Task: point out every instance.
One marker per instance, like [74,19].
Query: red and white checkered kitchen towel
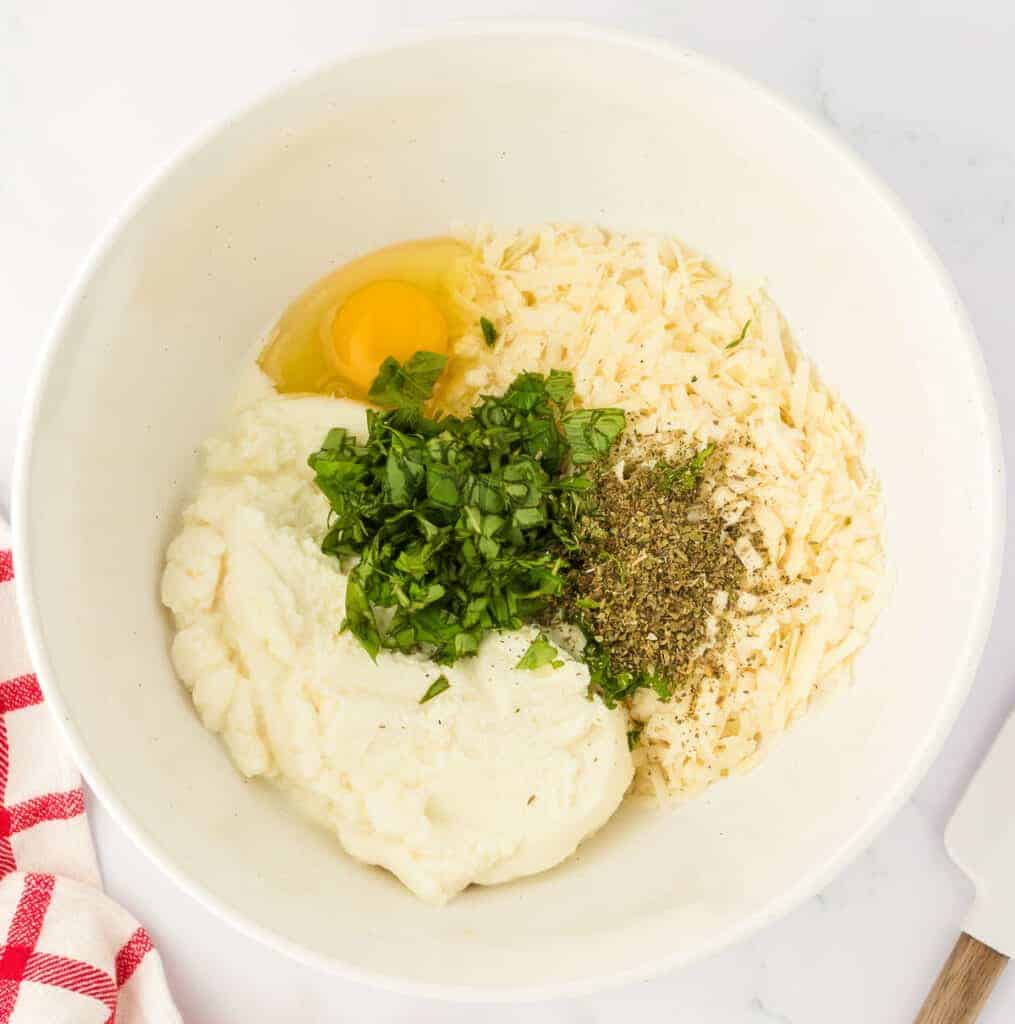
[68,954]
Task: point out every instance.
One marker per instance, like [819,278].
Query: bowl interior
[512,126]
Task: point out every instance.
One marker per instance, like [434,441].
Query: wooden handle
[964,984]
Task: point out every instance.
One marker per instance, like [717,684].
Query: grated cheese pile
[647,325]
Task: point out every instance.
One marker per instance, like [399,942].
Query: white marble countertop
[94,95]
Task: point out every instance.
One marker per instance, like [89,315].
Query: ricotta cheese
[500,776]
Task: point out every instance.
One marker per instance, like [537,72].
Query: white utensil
[981,840]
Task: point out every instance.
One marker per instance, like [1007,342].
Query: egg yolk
[396,301]
[386,318]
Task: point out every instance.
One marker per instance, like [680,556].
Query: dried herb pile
[650,563]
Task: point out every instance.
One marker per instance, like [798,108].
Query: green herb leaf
[663,687]
[337,440]
[613,683]
[633,736]
[407,386]
[439,685]
[592,432]
[490,333]
[359,617]
[540,652]
[684,477]
[743,334]
[560,387]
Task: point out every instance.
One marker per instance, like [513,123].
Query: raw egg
[392,302]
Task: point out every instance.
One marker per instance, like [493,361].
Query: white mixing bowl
[515,123]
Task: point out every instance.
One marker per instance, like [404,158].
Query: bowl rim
[894,796]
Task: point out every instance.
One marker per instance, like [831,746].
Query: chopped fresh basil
[743,334]
[490,333]
[592,432]
[539,653]
[439,685]
[683,476]
[460,526]
[409,385]
[359,618]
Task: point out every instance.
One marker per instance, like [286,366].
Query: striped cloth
[68,954]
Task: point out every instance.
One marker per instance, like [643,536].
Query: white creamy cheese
[500,776]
